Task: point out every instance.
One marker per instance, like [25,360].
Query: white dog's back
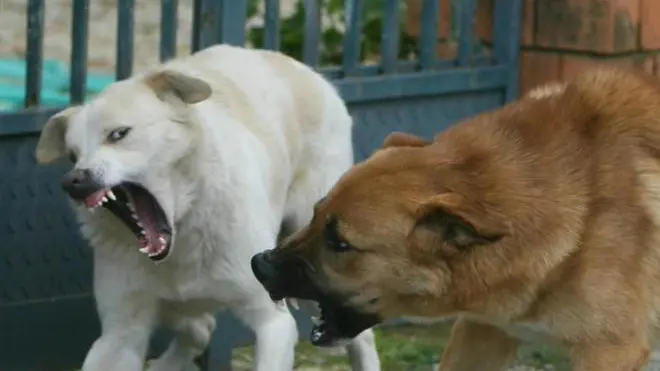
[295,114]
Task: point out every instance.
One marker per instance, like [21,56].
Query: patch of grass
[544,357]
[410,348]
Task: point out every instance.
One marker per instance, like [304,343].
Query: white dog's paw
[200,331]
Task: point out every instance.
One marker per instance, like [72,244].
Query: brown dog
[539,219]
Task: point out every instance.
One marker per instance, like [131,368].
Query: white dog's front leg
[124,339]
[114,352]
[193,335]
[276,334]
[362,352]
[127,314]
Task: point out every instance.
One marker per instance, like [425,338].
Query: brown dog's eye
[332,238]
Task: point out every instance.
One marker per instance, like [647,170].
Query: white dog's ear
[50,146]
[187,88]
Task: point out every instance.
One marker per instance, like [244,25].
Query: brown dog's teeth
[317,334]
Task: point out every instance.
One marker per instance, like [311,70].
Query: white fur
[270,141]
[546,91]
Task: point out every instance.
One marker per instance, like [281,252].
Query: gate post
[506,35]
[233,14]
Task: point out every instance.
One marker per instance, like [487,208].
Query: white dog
[181,175]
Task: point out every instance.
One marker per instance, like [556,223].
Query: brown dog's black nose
[262,267]
[266,273]
[80,183]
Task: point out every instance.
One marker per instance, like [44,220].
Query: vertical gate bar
[79,28]
[429,33]
[206,14]
[168,28]
[467,15]
[233,14]
[196,26]
[389,41]
[272,36]
[506,39]
[312,36]
[34,52]
[352,41]
[125,24]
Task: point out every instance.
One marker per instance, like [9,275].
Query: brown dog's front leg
[478,347]
[625,356]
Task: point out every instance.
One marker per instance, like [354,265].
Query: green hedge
[292,29]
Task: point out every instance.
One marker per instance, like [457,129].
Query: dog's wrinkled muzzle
[283,275]
[266,273]
[80,183]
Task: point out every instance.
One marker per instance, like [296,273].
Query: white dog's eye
[118,134]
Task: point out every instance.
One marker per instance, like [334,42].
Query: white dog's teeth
[161,239]
[316,320]
[104,200]
[112,196]
[134,215]
[130,206]
[145,249]
[294,303]
[142,232]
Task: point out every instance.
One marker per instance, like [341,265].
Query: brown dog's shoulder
[616,91]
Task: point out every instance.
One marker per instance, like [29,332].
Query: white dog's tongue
[152,243]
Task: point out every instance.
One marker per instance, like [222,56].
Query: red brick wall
[562,37]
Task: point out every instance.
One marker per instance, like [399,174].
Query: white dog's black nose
[80,183]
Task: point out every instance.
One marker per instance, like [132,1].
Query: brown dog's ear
[447,218]
[50,146]
[187,88]
[399,139]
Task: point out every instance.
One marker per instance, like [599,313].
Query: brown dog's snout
[283,275]
[262,267]
[265,270]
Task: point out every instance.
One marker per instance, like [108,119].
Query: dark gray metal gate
[47,316]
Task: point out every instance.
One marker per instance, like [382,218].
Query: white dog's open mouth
[141,213]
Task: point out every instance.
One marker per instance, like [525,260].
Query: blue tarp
[55,84]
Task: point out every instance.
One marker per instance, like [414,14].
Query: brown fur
[539,219]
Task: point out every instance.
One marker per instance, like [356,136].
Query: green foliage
[292,31]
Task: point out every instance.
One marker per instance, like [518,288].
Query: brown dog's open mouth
[338,323]
[289,278]
[141,213]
